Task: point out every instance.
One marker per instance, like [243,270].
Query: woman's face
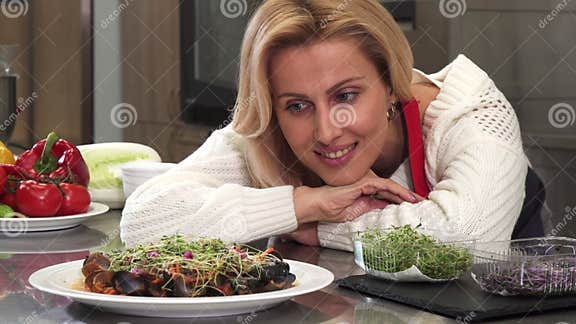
[331,106]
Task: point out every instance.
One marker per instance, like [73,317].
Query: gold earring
[393,111]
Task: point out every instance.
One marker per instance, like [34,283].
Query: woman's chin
[337,181]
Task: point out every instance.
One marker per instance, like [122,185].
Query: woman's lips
[338,158]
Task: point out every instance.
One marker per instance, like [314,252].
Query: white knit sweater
[475,166]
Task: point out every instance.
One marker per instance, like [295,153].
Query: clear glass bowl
[447,259]
[526,267]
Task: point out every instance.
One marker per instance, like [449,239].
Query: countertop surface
[23,254]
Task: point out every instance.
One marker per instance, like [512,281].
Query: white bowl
[136,173]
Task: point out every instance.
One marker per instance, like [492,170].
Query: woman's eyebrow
[329,91]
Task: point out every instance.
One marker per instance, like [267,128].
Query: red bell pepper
[9,198]
[36,199]
[76,199]
[3,180]
[56,159]
[14,175]
[17,172]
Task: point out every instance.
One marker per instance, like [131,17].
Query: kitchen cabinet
[54,64]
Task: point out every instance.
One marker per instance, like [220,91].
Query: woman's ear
[392,97]
[391,94]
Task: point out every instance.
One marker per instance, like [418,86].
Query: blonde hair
[278,24]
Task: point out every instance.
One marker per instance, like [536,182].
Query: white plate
[16,226]
[58,280]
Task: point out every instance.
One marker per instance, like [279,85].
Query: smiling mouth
[337,154]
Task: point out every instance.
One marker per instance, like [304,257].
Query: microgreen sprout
[403,247]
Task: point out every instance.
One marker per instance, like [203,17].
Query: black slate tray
[459,299]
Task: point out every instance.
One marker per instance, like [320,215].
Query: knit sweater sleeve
[208,194]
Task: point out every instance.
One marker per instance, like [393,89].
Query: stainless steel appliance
[8,102]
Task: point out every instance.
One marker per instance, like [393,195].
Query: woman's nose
[327,128]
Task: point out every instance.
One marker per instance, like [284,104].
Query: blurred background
[163,73]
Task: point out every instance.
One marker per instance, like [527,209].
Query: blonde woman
[334,131]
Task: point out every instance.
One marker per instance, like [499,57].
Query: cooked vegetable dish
[175,267]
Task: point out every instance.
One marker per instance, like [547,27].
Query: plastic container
[448,260]
[527,267]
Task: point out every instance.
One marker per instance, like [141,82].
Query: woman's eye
[297,107]
[347,96]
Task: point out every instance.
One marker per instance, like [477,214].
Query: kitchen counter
[22,255]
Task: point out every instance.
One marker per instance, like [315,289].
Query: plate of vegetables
[14,226]
[179,278]
[45,188]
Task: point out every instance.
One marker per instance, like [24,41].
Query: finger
[402,192]
[420,198]
[382,184]
[371,187]
[378,204]
[388,196]
[359,207]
